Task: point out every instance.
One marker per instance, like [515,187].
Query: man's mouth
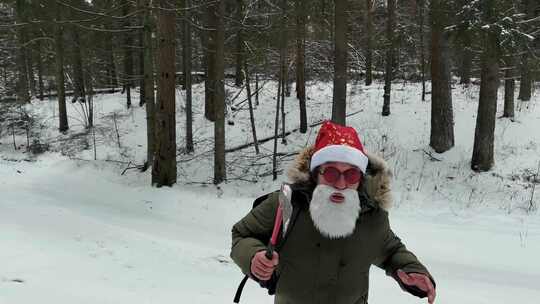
[337,198]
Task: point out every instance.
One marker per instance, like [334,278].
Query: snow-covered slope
[77,231]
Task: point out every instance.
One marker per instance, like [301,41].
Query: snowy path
[76,234]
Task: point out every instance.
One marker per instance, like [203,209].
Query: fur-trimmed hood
[376,180]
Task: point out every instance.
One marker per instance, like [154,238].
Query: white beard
[334,220]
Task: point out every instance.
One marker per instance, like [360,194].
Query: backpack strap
[239,290]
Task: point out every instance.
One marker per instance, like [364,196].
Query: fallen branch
[237,148]
[431,157]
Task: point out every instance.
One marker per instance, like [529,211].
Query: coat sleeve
[247,234]
[394,255]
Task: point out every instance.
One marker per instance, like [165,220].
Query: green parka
[315,269]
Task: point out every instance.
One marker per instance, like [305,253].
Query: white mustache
[331,219]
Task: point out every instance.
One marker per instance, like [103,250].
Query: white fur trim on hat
[339,153]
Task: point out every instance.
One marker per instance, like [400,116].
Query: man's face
[335,204]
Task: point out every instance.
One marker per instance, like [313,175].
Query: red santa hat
[336,143]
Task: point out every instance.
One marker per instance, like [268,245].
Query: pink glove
[419,280]
[261,267]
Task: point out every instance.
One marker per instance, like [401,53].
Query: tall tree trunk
[78,80]
[111,65]
[442,116]
[187,77]
[283,66]
[22,71]
[300,69]
[421,7]
[219,89]
[250,104]
[164,167]
[142,80]
[466,59]
[239,43]
[509,88]
[525,84]
[484,137]
[40,70]
[149,93]
[128,54]
[369,42]
[340,63]
[388,74]
[59,48]
[209,96]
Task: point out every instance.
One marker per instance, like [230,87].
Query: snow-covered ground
[75,230]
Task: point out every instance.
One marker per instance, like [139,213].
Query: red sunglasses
[332,175]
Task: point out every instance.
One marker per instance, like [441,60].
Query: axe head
[285,195]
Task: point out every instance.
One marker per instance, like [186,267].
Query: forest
[73,50]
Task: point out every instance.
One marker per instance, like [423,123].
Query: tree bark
[388,74]
[220,174]
[59,48]
[484,137]
[466,59]
[283,66]
[369,42]
[300,69]
[239,43]
[509,88]
[421,7]
[187,77]
[149,93]
[78,80]
[164,167]
[22,71]
[525,84]
[340,63]
[209,96]
[128,54]
[442,116]
[41,87]
[250,104]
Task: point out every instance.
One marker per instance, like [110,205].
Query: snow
[75,230]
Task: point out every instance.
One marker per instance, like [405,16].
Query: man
[341,228]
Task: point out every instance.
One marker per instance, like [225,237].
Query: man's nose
[340,184]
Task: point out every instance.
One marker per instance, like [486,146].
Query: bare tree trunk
[111,66]
[239,43]
[509,88]
[187,77]
[283,66]
[421,7]
[484,137]
[78,81]
[149,93]
[128,54]
[250,104]
[22,80]
[339,104]
[40,71]
[442,116]
[59,48]
[369,42]
[164,168]
[209,96]
[467,57]
[525,84]
[388,75]
[142,80]
[220,174]
[300,69]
